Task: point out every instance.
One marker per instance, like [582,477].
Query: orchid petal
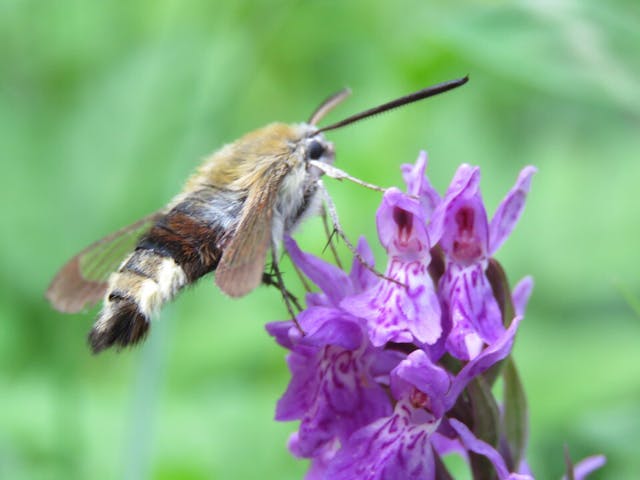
[465,234]
[391,448]
[521,293]
[408,306]
[418,184]
[478,446]
[361,277]
[331,280]
[330,326]
[464,185]
[474,313]
[321,461]
[402,225]
[485,360]
[509,210]
[585,467]
[465,181]
[296,400]
[332,392]
[281,332]
[402,311]
[417,371]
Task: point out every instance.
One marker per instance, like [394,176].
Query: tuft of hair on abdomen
[143,283]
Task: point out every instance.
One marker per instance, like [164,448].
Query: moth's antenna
[328,105]
[399,102]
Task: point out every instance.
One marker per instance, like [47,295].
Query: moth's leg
[330,234]
[334,172]
[275,279]
[333,215]
[270,279]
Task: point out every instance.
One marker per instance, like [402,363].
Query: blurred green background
[106,107]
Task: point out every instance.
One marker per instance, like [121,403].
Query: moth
[232,211]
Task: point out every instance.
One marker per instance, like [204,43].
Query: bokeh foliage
[105,108]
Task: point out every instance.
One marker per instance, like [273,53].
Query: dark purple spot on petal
[419,399]
[404,221]
[466,246]
[419,435]
[393,427]
[465,220]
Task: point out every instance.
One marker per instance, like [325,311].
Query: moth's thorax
[298,194]
[236,165]
[252,161]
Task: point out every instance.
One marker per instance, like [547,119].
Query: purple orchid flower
[334,284]
[400,446]
[333,389]
[394,447]
[405,309]
[468,241]
[336,373]
[369,387]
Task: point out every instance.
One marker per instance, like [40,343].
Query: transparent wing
[82,281]
[242,263]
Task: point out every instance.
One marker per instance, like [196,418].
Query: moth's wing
[83,280]
[242,263]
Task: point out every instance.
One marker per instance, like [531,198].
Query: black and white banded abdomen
[181,247]
[136,292]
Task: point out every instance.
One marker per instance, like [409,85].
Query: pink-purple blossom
[468,241]
[392,369]
[406,309]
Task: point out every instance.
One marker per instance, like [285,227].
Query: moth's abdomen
[181,247]
[144,283]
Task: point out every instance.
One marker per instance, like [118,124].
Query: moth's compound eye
[315,150]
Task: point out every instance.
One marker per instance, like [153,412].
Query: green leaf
[441,470]
[515,423]
[502,293]
[486,421]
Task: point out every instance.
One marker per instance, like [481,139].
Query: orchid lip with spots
[390,374]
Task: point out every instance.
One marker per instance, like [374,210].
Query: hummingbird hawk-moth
[232,211]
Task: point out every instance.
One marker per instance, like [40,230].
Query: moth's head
[311,143]
[314,146]
[302,142]
[297,143]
